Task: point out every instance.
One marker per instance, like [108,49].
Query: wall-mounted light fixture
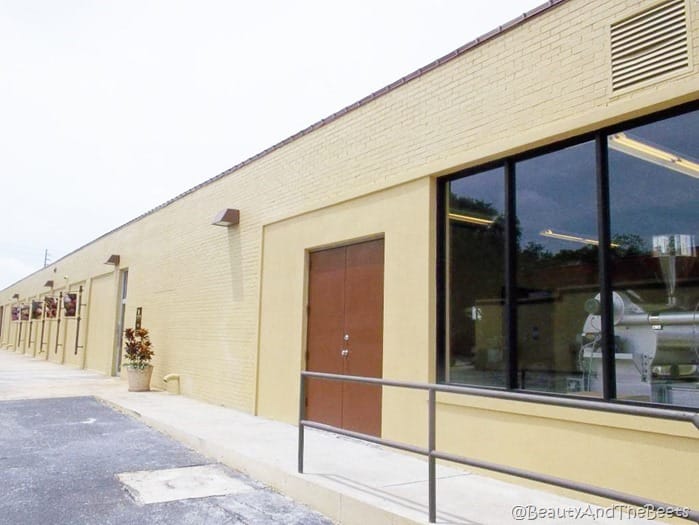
[16,296]
[113,259]
[49,283]
[227,217]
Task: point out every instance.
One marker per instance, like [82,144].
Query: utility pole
[46,257]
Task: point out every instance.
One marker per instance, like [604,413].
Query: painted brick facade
[538,82]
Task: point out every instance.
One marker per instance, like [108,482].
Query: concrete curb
[304,488]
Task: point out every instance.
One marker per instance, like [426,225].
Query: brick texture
[198,284]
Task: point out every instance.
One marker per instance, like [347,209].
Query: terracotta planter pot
[139,380]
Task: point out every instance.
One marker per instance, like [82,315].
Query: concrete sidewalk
[350,482]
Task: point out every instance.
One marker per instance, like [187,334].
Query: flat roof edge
[515,22]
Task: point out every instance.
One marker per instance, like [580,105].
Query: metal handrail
[433,454]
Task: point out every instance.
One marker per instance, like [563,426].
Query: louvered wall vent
[649,44]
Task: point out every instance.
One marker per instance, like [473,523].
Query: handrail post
[431,450]
[302,417]
[431,460]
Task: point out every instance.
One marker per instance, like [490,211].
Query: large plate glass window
[654,209]
[475,279]
[557,336]
[557,269]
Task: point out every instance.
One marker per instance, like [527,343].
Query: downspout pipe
[173,377]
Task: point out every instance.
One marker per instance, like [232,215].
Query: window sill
[526,408]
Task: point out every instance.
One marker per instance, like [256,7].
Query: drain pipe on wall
[173,383]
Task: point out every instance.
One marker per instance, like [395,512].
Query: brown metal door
[326,312]
[361,403]
[345,334]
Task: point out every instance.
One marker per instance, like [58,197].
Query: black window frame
[508,164]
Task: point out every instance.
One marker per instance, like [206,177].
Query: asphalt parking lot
[74,461]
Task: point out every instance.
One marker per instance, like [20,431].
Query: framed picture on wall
[51,307]
[37,310]
[70,304]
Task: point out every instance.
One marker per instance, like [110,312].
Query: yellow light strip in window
[572,238]
[470,219]
[625,144]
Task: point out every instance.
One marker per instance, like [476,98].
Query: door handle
[344,352]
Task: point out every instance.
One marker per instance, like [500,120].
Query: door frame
[306,302]
[122,294]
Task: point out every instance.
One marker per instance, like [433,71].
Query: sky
[110,108]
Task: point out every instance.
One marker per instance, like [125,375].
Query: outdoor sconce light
[113,259]
[227,217]
[16,296]
[49,284]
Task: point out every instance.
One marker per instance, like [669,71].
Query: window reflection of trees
[477,293]
[559,337]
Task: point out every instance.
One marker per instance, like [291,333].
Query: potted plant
[138,353]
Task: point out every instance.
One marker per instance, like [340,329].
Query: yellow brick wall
[402,217]
[199,285]
[99,327]
[48,341]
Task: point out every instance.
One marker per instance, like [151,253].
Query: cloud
[12,270]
